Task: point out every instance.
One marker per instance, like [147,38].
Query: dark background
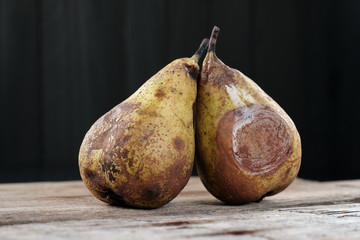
[65,63]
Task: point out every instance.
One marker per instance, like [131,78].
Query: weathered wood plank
[66,210]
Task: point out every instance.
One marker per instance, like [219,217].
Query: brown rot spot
[151,193]
[159,93]
[193,71]
[220,75]
[111,177]
[114,169]
[89,174]
[255,138]
[105,165]
[108,167]
[177,168]
[178,144]
[93,178]
[114,199]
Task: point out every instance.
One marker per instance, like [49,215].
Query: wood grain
[66,210]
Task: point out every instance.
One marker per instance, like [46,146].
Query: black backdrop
[65,63]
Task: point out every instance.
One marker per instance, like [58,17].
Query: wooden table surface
[67,210]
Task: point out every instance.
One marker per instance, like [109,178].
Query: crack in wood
[63,197]
[324,203]
[338,212]
[179,223]
[233,232]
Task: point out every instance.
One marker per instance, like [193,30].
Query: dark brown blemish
[114,199]
[151,193]
[176,170]
[109,168]
[178,144]
[255,137]
[193,71]
[111,176]
[159,93]
[96,182]
[105,165]
[89,174]
[114,169]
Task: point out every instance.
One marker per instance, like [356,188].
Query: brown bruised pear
[247,146]
[140,153]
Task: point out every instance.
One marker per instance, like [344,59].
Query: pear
[141,153]
[247,146]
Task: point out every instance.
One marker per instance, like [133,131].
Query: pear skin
[140,153]
[247,146]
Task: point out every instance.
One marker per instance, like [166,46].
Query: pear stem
[202,49]
[213,38]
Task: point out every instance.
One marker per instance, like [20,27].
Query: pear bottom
[253,156]
[128,160]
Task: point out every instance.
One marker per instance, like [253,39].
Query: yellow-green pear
[140,153]
[247,146]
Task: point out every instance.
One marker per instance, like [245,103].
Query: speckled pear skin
[247,146]
[140,154]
